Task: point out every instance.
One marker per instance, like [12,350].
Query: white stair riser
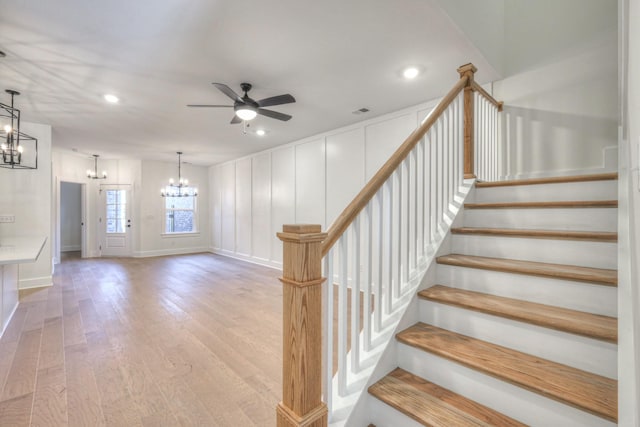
[571,252]
[580,296]
[511,400]
[383,415]
[577,219]
[594,190]
[580,352]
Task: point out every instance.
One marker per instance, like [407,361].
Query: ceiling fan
[246,108]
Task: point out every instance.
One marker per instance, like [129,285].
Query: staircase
[520,327]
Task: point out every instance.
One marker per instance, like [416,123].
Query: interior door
[115,222]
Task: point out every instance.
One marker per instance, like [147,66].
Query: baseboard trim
[36,282]
[253,260]
[165,252]
[72,248]
[15,307]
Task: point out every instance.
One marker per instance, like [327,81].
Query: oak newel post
[302,281]
[469,70]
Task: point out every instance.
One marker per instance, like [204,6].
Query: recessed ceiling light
[411,72]
[111,98]
[261,132]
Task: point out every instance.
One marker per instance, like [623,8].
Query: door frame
[83,218]
[101,216]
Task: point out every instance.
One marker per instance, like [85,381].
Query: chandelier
[17,149]
[181,189]
[93,174]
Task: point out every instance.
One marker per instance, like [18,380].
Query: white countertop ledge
[17,250]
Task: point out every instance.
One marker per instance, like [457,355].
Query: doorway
[72,218]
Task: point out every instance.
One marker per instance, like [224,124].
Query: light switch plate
[7,218]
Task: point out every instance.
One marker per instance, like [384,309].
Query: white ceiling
[333,56]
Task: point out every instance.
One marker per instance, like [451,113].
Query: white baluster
[398,242]
[368,276]
[417,252]
[407,220]
[445,163]
[342,314]
[327,361]
[355,298]
[389,241]
[377,303]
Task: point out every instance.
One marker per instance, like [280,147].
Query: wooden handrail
[475,86]
[375,183]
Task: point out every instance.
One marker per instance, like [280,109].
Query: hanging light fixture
[93,174]
[181,189]
[18,150]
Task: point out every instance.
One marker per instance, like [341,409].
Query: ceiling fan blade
[276,100]
[236,120]
[207,105]
[228,91]
[274,114]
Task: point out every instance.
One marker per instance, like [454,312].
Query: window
[180,212]
[116,211]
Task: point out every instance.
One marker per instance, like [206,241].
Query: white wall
[542,32]
[484,23]
[558,60]
[69,166]
[28,197]
[146,179]
[629,226]
[308,181]
[70,217]
[151,240]
[561,118]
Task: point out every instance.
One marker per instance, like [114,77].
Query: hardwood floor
[192,340]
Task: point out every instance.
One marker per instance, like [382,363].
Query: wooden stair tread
[552,180]
[590,325]
[432,405]
[545,205]
[589,392]
[559,271]
[598,236]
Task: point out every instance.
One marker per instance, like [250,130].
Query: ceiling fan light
[246,113]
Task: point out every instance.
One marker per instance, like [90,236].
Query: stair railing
[375,255]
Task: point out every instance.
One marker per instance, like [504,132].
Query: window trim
[196,223]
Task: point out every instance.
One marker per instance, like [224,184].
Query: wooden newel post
[302,328]
[469,70]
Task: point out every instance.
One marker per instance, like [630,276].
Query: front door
[115,223]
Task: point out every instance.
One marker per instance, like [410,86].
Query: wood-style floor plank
[22,376]
[590,325]
[167,341]
[590,392]
[432,405]
[50,401]
[16,412]
[601,276]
